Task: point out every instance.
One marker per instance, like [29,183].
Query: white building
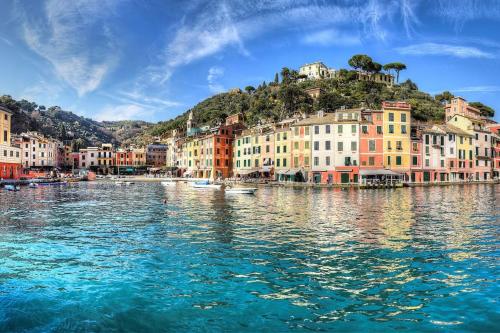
[316,70]
[346,137]
[37,150]
[88,157]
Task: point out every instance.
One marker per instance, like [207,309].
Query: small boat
[12,188]
[119,183]
[168,183]
[128,183]
[241,190]
[206,184]
[32,185]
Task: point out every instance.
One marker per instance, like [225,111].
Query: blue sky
[152,60]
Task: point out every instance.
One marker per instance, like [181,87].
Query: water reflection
[135,257]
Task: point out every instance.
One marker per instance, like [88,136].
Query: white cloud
[124,112]
[215,73]
[212,27]
[330,37]
[74,38]
[478,89]
[444,50]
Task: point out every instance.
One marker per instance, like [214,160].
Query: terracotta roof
[5,109]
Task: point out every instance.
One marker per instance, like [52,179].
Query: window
[461,140]
[398,160]
[5,136]
[347,161]
[316,145]
[327,145]
[316,129]
[354,146]
[403,129]
[427,152]
[340,146]
[427,162]
[391,116]
[452,164]
[399,145]
[353,129]
[388,160]
[371,160]
[327,160]
[306,160]
[278,149]
[278,162]
[284,162]
[379,129]
[414,160]
[415,147]
[296,145]
[339,129]
[389,146]
[427,139]
[403,117]
[306,131]
[256,163]
[296,131]
[267,149]
[371,145]
[296,162]
[284,149]
[327,129]
[442,163]
[316,161]
[306,145]
[278,137]
[364,129]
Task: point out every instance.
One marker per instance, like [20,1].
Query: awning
[378,172]
[246,172]
[266,168]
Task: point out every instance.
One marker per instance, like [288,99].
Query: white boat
[119,183]
[206,184]
[241,190]
[168,183]
[32,185]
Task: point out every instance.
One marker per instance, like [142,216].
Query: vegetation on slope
[278,100]
[64,125]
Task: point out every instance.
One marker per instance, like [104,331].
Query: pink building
[371,140]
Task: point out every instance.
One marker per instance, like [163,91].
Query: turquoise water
[94,257]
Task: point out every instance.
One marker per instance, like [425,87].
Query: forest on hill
[66,126]
[286,95]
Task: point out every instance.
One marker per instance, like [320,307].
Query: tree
[373,67]
[396,66]
[249,89]
[360,61]
[410,85]
[486,111]
[276,78]
[444,97]
[294,99]
[285,75]
[330,101]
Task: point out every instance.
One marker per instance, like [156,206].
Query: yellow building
[397,121]
[246,153]
[5,119]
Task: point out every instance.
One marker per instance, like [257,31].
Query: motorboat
[206,184]
[240,190]
[32,185]
[168,182]
[12,188]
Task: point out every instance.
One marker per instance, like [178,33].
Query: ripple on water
[96,257]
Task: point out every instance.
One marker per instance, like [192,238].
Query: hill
[65,125]
[279,100]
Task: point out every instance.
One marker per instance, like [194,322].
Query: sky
[152,60]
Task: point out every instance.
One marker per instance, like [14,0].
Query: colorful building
[300,146]
[282,152]
[10,156]
[346,145]
[397,136]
